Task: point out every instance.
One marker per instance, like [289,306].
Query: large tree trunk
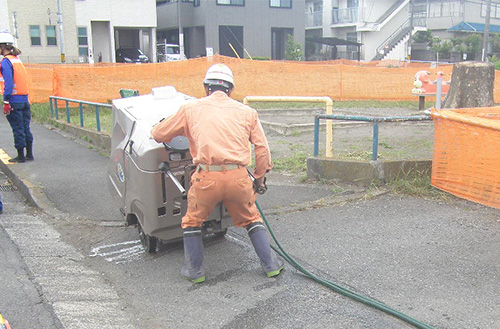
[471,85]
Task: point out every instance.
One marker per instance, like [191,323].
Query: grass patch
[41,113]
[296,163]
[417,183]
[354,155]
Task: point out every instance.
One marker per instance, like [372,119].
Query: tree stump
[471,85]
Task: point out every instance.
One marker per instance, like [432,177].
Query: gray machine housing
[149,180]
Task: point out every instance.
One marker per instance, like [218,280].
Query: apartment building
[384,27]
[91,30]
[237,28]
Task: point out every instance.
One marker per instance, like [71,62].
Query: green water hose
[335,287]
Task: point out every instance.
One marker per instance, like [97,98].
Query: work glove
[6,108]
[260,189]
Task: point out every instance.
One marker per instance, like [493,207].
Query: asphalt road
[436,261]
[21,299]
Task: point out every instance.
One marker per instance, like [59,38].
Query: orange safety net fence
[466,158]
[339,79]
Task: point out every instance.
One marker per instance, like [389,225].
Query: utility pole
[61,33]
[181,35]
[486,31]
[14,23]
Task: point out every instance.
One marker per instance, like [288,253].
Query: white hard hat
[6,37]
[217,73]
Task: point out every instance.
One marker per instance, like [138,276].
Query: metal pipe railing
[54,110]
[375,120]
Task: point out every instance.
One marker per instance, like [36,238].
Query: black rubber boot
[20,156]
[29,152]
[271,263]
[193,255]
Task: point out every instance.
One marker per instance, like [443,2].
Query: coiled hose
[335,287]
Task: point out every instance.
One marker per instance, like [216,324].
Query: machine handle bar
[165,167]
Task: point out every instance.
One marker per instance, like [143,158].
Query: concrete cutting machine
[148,180]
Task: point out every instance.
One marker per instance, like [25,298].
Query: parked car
[131,55]
[166,52]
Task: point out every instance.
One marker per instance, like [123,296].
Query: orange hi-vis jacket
[21,80]
[219,129]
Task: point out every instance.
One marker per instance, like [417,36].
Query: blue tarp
[473,27]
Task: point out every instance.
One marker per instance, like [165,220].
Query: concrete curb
[99,139]
[34,194]
[363,172]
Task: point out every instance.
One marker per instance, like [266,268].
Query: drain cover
[7,188]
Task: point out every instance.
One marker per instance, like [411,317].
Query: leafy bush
[293,49]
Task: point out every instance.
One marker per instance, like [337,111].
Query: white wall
[130,13]
[31,12]
[4,17]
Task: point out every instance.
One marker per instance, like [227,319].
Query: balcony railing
[347,15]
[314,19]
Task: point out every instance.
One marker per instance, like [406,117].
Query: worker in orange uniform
[16,106]
[219,130]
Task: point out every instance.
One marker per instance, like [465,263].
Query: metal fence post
[316,136]
[375,141]
[81,115]
[51,107]
[67,112]
[97,119]
[57,109]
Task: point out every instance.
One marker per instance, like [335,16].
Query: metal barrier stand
[54,108]
[375,121]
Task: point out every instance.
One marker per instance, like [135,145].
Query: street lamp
[181,35]
[60,23]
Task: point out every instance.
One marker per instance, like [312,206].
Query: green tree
[293,49]
[443,48]
[473,45]
[423,37]
[495,43]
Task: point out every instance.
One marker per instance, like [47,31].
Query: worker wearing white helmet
[16,106]
[219,130]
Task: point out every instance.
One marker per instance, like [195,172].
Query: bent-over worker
[219,130]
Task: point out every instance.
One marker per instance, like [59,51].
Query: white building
[384,26]
[91,30]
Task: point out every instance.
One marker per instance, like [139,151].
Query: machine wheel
[148,242]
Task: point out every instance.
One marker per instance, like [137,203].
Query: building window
[83,44]
[280,3]
[50,31]
[495,10]
[450,8]
[231,2]
[35,35]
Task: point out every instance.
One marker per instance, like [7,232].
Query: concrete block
[363,172]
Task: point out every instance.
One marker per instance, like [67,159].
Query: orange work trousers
[233,187]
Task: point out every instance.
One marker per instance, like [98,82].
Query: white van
[166,52]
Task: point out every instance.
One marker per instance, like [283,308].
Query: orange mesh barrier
[466,157]
[41,84]
[339,79]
